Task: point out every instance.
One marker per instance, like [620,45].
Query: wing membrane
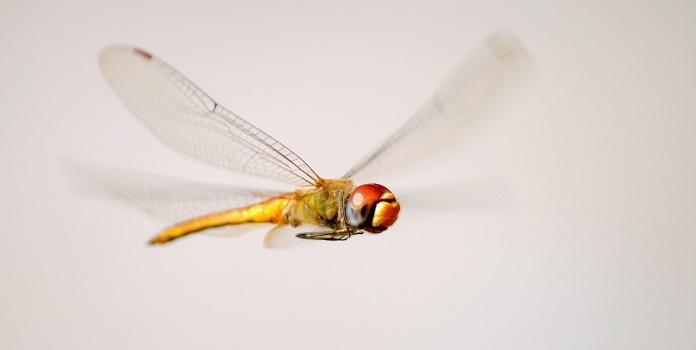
[169,198]
[186,118]
[452,109]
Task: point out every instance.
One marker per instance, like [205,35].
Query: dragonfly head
[372,207]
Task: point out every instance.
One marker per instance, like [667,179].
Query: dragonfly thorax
[371,207]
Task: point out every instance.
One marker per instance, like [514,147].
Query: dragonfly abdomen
[268,211]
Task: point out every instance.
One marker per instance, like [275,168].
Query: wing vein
[186,118]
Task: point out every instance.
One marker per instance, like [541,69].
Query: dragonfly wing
[233,230]
[285,236]
[453,108]
[280,236]
[173,199]
[186,118]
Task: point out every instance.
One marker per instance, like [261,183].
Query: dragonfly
[184,117]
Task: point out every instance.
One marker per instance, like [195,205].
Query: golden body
[317,205]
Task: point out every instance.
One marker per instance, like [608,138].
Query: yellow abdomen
[269,211]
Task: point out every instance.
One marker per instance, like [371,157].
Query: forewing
[453,108]
[186,118]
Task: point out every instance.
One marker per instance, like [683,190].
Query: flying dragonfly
[184,117]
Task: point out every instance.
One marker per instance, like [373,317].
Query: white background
[577,223]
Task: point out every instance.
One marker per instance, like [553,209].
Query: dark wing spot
[143,53]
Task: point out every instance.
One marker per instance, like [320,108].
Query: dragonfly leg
[341,234]
[342,211]
[336,235]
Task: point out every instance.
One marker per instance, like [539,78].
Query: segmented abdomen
[268,211]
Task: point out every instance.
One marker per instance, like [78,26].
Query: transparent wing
[454,107]
[169,198]
[233,230]
[283,236]
[186,118]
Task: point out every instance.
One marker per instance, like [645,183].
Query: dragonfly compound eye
[372,207]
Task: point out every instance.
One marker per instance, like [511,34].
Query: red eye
[372,207]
